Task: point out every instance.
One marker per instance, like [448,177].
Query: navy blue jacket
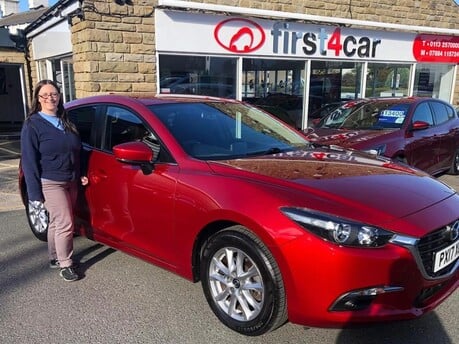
[49,153]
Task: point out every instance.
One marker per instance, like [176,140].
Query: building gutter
[187,5]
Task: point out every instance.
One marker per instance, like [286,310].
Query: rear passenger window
[440,112]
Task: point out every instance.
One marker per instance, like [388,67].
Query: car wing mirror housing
[420,125]
[136,153]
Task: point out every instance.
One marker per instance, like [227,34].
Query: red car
[275,228]
[422,132]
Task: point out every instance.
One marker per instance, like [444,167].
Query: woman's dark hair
[61,113]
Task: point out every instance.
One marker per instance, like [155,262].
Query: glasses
[47,95]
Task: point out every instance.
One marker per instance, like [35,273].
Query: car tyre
[38,222]
[242,282]
[455,165]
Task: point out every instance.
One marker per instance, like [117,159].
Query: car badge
[452,232]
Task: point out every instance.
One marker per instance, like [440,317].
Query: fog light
[360,299]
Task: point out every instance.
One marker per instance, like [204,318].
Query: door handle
[97,177]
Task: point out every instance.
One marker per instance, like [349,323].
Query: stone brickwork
[11,56]
[114,49]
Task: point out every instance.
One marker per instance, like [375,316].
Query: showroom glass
[49,95]
[202,75]
[276,86]
[333,81]
[387,80]
[433,80]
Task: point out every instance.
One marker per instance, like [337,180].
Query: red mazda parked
[275,228]
[422,132]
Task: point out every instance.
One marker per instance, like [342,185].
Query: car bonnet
[351,178]
[345,138]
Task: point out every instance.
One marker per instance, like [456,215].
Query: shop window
[332,82]
[201,75]
[387,80]
[277,86]
[434,81]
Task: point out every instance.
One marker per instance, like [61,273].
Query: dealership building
[290,58]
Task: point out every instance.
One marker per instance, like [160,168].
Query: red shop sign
[435,48]
[239,35]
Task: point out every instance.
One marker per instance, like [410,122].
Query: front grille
[428,245]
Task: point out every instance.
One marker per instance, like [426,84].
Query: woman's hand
[84,180]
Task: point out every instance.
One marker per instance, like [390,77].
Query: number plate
[446,256]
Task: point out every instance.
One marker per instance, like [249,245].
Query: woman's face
[48,97]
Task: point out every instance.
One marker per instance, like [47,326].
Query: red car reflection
[422,132]
[273,227]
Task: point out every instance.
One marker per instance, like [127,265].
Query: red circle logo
[239,35]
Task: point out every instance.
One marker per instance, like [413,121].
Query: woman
[50,149]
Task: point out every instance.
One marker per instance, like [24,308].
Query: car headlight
[338,230]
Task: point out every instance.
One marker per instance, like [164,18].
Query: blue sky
[24,4]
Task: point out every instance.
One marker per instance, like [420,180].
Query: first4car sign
[214,34]
[322,43]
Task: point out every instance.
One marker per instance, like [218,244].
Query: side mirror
[136,153]
[420,125]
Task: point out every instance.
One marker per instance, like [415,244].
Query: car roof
[147,99]
[405,100]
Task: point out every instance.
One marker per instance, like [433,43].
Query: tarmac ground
[9,162]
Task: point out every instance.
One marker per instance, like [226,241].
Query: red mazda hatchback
[275,228]
[422,132]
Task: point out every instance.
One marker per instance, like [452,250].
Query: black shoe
[53,263]
[69,274]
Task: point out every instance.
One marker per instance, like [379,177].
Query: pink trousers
[60,198]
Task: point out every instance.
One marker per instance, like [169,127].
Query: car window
[452,113]
[121,126]
[84,119]
[372,115]
[440,112]
[423,113]
[226,130]
[392,116]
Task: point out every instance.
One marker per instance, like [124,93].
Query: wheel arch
[217,226]
[199,244]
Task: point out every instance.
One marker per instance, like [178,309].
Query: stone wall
[32,72]
[114,49]
[11,56]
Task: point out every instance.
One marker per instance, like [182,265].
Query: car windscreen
[372,115]
[226,130]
